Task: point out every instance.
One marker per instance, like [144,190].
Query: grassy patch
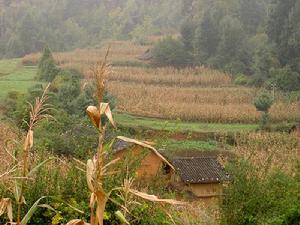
[8,66]
[22,74]
[174,145]
[180,126]
[19,78]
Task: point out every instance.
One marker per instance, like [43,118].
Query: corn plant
[20,173]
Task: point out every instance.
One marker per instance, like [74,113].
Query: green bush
[251,199]
[263,101]
[171,52]
[286,79]
[47,69]
[67,135]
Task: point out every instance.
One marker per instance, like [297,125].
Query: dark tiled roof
[120,145]
[200,170]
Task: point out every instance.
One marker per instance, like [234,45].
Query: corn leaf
[39,166]
[105,109]
[77,222]
[31,211]
[145,145]
[121,217]
[94,115]
[154,198]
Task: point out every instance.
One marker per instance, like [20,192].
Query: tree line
[258,38]
[26,26]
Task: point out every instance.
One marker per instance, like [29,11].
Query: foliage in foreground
[251,199]
[265,181]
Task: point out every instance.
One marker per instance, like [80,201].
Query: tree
[252,15]
[187,32]
[233,52]
[207,37]
[264,57]
[263,102]
[286,79]
[171,52]
[47,69]
[283,29]
[142,31]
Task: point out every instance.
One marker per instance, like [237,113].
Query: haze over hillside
[257,38]
[150,112]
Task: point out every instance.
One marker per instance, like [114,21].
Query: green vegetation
[71,24]
[20,79]
[251,199]
[8,66]
[241,37]
[47,69]
[171,52]
[180,126]
[175,145]
[263,103]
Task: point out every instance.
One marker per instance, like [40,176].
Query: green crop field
[15,77]
[180,126]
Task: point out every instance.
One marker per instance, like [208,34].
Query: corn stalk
[39,111]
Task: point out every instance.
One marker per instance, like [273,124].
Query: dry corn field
[193,94]
[8,141]
[120,51]
[228,104]
[199,76]
[270,151]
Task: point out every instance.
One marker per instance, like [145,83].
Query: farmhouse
[151,161]
[202,176]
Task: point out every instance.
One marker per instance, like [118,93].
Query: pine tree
[47,69]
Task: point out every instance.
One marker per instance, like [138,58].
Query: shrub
[263,101]
[47,69]
[171,52]
[68,135]
[286,79]
[251,199]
